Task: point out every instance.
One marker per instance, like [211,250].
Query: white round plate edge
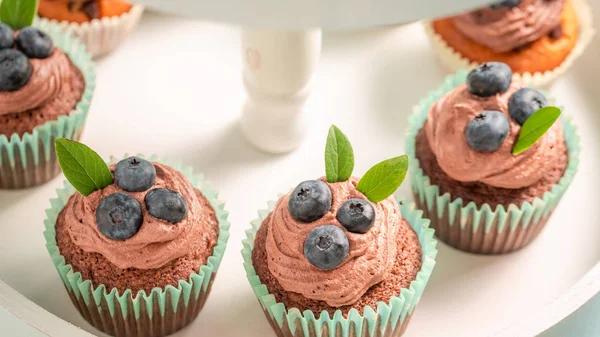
[558,310]
[25,318]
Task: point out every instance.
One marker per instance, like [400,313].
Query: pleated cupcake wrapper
[29,159]
[464,225]
[388,319]
[102,36]
[157,314]
[453,60]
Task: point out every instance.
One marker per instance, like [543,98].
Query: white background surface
[175,89]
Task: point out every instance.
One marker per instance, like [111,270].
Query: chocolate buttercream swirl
[48,77]
[157,242]
[445,127]
[506,29]
[369,261]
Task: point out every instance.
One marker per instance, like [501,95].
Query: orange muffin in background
[81,11]
[102,37]
[528,35]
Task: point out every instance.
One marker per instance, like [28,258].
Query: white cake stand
[281,44]
[362,88]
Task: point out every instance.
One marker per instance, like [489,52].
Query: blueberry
[166,204]
[134,174]
[6,36]
[489,79]
[487,131]
[34,43]
[326,247]
[524,103]
[505,4]
[15,70]
[310,201]
[119,216]
[356,215]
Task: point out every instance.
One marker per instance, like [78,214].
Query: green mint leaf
[83,167]
[383,179]
[18,13]
[535,127]
[339,156]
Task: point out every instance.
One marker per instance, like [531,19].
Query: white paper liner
[105,35]
[454,61]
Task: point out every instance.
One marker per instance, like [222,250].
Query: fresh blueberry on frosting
[326,247]
[119,216]
[135,174]
[310,201]
[489,79]
[6,36]
[505,4]
[487,131]
[34,43]
[15,70]
[356,215]
[524,102]
[166,204]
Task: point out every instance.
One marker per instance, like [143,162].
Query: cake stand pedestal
[280,58]
[278,67]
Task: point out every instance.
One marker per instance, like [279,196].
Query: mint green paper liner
[463,225]
[29,160]
[388,319]
[157,314]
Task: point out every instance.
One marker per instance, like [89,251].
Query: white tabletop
[175,89]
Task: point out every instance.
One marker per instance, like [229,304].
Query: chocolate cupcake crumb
[481,193]
[407,265]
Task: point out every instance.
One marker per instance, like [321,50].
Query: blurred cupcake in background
[102,25]
[46,85]
[491,160]
[538,39]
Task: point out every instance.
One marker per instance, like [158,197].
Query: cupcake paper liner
[29,160]
[102,36]
[454,61]
[160,313]
[464,225]
[388,319]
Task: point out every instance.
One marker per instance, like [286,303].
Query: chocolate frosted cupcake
[102,25]
[539,38]
[339,255]
[381,262]
[137,255]
[486,174]
[51,88]
[46,85]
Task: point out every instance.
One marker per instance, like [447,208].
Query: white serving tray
[175,89]
[330,14]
